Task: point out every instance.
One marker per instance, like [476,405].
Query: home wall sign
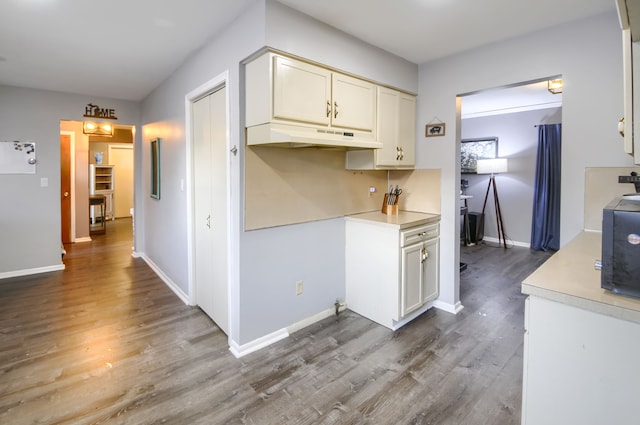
[94,111]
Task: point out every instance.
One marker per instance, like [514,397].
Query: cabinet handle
[335,109]
[425,255]
[209,221]
[422,234]
[328,109]
[398,153]
[401,154]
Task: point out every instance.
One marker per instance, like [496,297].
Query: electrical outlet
[299,287]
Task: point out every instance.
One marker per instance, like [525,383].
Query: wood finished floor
[105,341]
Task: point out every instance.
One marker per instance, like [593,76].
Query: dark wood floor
[105,341]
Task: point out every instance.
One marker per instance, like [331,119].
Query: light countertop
[403,220]
[570,277]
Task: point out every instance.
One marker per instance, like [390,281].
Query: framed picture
[434,130]
[471,150]
[155,168]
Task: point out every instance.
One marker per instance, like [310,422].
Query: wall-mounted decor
[435,129]
[155,168]
[94,111]
[471,150]
[17,157]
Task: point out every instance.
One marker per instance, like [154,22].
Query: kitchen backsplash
[601,186]
[289,186]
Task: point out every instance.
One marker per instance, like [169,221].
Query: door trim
[218,82]
[72,176]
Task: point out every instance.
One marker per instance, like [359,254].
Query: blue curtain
[545,226]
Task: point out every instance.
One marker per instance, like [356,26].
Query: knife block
[389,209]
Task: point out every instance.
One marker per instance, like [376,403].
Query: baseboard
[262,342]
[509,242]
[84,239]
[257,344]
[27,272]
[449,308]
[315,318]
[170,283]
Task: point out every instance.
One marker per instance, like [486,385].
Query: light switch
[44,182]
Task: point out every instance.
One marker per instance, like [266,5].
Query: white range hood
[298,136]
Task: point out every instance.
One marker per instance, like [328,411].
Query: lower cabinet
[580,366]
[419,280]
[392,273]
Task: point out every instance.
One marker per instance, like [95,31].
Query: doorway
[77,151]
[121,157]
[511,116]
[209,232]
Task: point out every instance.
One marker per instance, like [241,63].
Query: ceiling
[123,49]
[506,100]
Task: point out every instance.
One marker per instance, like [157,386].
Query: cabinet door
[431,270]
[354,103]
[301,91]
[388,122]
[412,278]
[407,129]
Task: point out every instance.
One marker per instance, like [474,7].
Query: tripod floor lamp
[494,166]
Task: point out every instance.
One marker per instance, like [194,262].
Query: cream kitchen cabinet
[309,93]
[292,101]
[420,262]
[629,14]
[396,129]
[392,265]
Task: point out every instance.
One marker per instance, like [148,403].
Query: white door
[122,158]
[210,206]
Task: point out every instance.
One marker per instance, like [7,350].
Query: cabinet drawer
[419,234]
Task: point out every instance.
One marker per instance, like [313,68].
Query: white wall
[588,55]
[30,214]
[163,114]
[517,141]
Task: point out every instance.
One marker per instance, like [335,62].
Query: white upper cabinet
[353,103]
[301,92]
[291,102]
[396,123]
[629,13]
[312,94]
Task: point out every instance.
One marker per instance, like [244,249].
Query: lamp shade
[492,166]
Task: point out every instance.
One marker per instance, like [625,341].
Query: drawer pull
[422,234]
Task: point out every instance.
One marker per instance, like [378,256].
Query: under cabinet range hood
[299,136]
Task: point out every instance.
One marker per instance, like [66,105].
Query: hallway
[105,341]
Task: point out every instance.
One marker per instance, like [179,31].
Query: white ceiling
[509,99]
[124,48]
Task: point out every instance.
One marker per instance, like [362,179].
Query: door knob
[66,194]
